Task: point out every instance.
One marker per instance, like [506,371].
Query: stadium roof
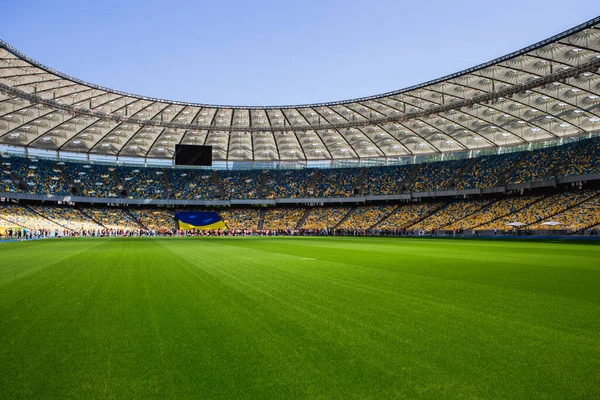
[545,91]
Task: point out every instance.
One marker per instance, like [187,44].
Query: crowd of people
[487,171]
[437,175]
[285,218]
[586,162]
[365,217]
[336,182]
[147,183]
[96,180]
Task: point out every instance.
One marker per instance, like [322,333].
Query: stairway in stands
[348,214]
[263,185]
[44,217]
[218,191]
[119,185]
[406,185]
[261,218]
[429,214]
[134,219]
[359,187]
[311,189]
[457,177]
[304,217]
[86,215]
[384,217]
[504,178]
[168,187]
[75,189]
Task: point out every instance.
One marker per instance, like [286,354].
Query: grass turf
[299,318]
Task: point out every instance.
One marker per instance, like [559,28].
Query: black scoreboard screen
[186,154]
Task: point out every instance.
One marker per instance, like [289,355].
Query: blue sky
[276,52]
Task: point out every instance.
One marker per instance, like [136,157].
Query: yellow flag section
[200,220]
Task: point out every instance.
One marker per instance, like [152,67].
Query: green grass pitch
[287,318]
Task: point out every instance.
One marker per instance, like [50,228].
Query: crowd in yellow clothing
[498,209]
[336,182]
[365,217]
[288,184]
[587,162]
[540,210]
[407,215]
[191,184]
[67,217]
[436,176]
[579,217]
[321,218]
[386,180]
[486,171]
[283,218]
[112,218]
[241,184]
[240,218]
[143,183]
[542,164]
[23,216]
[448,217]
[93,180]
[155,219]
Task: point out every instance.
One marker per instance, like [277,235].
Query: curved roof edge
[517,53]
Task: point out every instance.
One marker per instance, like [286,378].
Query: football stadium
[437,241]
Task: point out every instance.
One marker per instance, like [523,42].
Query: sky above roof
[276,52]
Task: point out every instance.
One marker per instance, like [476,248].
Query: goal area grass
[296,317]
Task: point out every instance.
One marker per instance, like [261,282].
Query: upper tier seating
[386,180]
[290,183]
[191,184]
[143,183]
[541,164]
[94,180]
[486,171]
[336,182]
[240,184]
[437,176]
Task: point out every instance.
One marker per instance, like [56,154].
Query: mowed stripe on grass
[299,318]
